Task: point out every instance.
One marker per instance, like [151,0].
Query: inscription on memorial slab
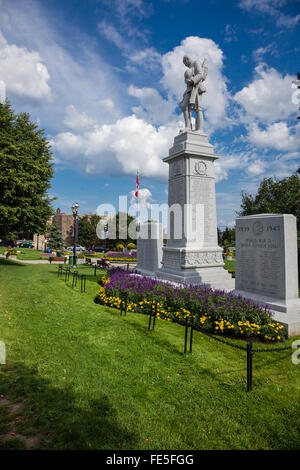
[202,191]
[262,256]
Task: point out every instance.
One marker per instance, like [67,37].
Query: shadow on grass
[9,262]
[55,414]
[90,277]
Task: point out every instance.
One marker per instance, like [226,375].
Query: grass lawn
[80,376]
[29,254]
[25,253]
[229,264]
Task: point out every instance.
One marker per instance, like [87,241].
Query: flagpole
[138,200]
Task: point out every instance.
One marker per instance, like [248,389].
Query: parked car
[99,249]
[25,244]
[79,248]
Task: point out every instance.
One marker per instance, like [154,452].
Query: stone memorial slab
[266,264]
[149,248]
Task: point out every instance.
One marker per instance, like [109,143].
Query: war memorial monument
[266,244]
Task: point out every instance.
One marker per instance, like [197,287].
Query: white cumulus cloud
[268,97]
[277,135]
[77,121]
[144,198]
[23,71]
[122,148]
[256,168]
[153,107]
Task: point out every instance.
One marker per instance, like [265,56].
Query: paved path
[30,261]
[45,261]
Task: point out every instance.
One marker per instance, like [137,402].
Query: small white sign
[2,353]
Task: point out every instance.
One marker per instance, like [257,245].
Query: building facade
[64,224]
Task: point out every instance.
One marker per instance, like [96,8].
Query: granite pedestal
[192,254]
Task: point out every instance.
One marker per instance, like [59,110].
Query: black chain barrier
[190,325]
[75,277]
[249,349]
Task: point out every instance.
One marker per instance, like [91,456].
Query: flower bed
[212,310]
[91,254]
[114,254]
[12,252]
[123,259]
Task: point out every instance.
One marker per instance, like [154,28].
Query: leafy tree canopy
[25,174]
[87,235]
[124,224]
[228,236]
[274,196]
[55,238]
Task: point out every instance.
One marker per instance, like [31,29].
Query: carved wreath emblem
[258,228]
[200,168]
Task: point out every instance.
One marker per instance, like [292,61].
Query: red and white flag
[137,185]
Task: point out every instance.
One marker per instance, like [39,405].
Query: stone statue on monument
[192,98]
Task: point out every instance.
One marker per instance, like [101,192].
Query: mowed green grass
[83,377]
[25,253]
[29,254]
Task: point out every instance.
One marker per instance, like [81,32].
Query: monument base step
[215,278]
[288,306]
[146,273]
[290,321]
[286,313]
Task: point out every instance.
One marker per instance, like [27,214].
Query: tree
[276,196]
[122,224]
[55,238]
[25,173]
[219,234]
[228,236]
[87,235]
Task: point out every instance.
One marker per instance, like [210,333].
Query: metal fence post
[155,313]
[191,334]
[150,316]
[249,366]
[185,335]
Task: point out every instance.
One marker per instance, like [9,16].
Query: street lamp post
[75,208]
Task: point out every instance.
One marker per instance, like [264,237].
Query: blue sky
[104,78]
